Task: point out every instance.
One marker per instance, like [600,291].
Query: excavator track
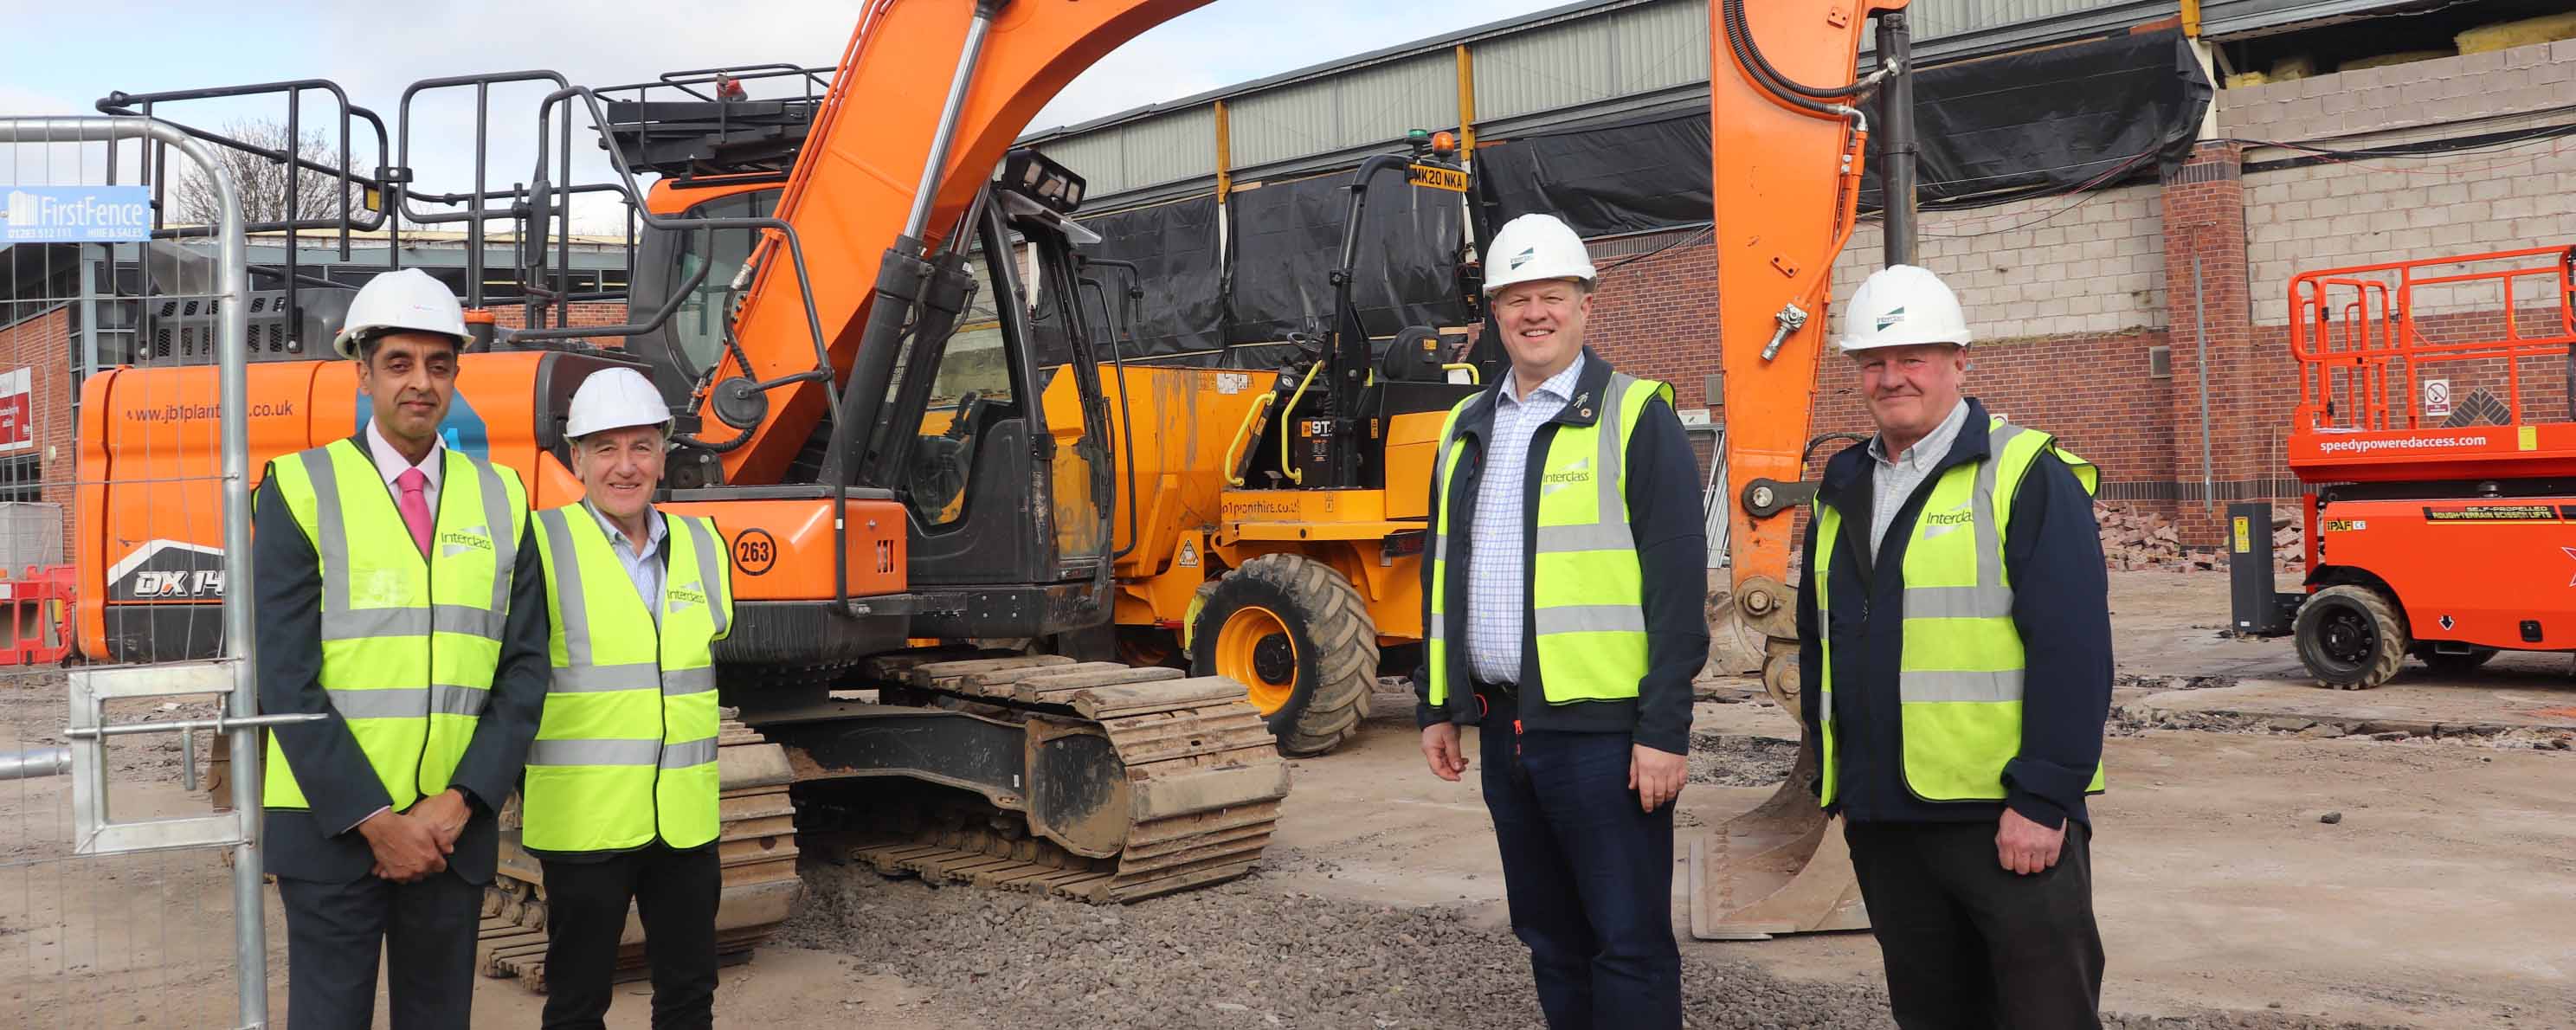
[1194,777]
[756,839]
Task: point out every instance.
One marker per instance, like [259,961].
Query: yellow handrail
[1259,404]
[1295,476]
[1473,379]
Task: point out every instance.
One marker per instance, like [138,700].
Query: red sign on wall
[17,410]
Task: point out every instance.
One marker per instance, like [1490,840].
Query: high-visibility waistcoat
[626,750]
[408,645]
[1959,681]
[1585,587]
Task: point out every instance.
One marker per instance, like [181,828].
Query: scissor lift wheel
[2351,637]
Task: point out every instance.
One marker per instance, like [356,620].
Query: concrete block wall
[2056,266]
[2337,213]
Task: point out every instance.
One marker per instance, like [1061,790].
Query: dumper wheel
[2453,663]
[2351,637]
[1299,638]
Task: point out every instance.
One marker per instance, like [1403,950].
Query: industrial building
[2126,260]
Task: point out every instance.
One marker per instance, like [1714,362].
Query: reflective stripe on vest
[1960,672]
[626,750]
[408,646]
[1586,589]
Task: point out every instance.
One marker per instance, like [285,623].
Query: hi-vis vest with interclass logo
[1959,680]
[408,645]
[626,750]
[1586,589]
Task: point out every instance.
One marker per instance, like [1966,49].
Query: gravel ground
[1740,760]
[1240,955]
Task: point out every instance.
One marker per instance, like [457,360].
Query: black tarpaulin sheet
[1287,236]
[2023,123]
[2051,118]
[1627,177]
[1174,247]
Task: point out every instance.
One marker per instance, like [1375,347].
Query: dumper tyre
[2351,637]
[1298,635]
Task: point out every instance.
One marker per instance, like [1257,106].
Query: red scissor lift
[2435,439]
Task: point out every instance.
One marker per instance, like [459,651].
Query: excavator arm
[929,98]
[1787,147]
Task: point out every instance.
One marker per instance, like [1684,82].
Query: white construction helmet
[1900,306]
[1533,247]
[405,299]
[615,398]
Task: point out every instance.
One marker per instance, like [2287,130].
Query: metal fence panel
[129,891]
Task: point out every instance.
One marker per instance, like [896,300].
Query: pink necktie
[415,506]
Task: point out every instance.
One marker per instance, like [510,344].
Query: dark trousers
[674,894]
[1589,877]
[1968,943]
[335,933]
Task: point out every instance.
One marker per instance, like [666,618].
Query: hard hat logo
[1541,247]
[1903,306]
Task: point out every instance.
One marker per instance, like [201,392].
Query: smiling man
[1562,599]
[1961,679]
[398,593]
[621,798]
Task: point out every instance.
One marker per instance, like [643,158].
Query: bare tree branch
[262,182]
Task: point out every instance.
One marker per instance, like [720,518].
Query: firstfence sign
[75,214]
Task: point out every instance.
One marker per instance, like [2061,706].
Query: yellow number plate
[1438,178]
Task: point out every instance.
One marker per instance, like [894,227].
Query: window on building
[22,478]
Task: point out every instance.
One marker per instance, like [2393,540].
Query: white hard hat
[405,299]
[1900,306]
[1534,247]
[615,398]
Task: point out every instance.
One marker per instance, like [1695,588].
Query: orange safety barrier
[40,615]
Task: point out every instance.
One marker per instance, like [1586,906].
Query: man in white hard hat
[1955,634]
[620,803]
[399,593]
[1562,596]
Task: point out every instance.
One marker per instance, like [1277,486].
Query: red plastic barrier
[39,602]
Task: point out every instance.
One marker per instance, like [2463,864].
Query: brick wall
[42,345]
[584,313]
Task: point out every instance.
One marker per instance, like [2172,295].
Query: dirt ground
[2440,894]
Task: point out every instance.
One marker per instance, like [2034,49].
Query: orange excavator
[863,306]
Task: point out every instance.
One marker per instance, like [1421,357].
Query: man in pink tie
[400,593]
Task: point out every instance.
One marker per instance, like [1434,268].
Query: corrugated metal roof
[1564,63]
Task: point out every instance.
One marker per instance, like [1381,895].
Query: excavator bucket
[1781,868]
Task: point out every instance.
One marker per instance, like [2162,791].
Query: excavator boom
[956,80]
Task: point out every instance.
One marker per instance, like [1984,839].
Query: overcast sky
[63,56]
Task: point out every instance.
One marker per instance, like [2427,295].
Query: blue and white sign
[76,214]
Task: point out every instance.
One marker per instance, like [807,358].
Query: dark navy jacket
[1662,487]
[2061,605]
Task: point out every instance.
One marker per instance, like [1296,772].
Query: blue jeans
[1589,877]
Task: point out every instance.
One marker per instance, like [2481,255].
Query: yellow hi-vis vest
[626,750]
[408,645]
[1959,681]
[1586,589]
